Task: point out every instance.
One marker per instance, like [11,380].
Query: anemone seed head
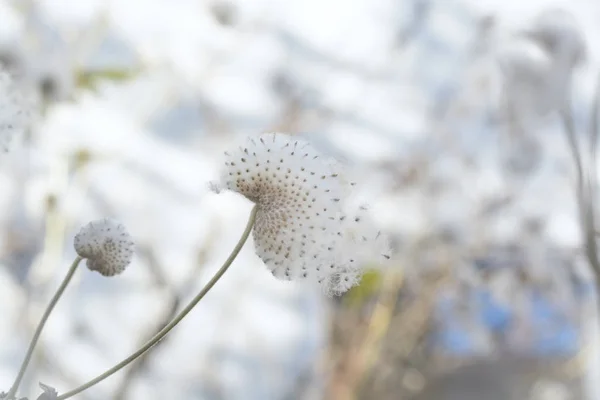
[305,228]
[106,245]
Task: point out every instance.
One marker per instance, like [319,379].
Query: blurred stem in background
[377,326]
[586,195]
[586,182]
[40,327]
[152,342]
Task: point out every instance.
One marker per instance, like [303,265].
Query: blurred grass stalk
[358,368]
[378,325]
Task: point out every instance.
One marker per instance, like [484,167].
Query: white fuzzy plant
[107,248]
[305,226]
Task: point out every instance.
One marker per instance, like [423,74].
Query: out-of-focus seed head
[537,65]
[15,110]
[106,245]
[305,228]
[558,32]
[49,393]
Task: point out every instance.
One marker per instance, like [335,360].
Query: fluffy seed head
[106,245]
[305,227]
[15,111]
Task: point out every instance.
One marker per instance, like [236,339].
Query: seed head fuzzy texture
[106,245]
[305,228]
[15,111]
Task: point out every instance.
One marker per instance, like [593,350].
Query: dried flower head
[306,228]
[15,112]
[106,245]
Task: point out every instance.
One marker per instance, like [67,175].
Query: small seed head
[106,245]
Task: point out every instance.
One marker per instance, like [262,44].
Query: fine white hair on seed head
[106,245]
[305,228]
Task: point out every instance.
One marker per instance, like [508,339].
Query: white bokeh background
[144,97]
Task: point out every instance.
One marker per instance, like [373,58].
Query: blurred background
[450,108]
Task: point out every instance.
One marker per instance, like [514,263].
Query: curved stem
[38,331]
[163,332]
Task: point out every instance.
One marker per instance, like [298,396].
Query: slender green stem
[160,335]
[38,331]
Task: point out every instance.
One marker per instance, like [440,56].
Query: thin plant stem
[163,332]
[586,187]
[570,131]
[594,121]
[40,327]
[585,192]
